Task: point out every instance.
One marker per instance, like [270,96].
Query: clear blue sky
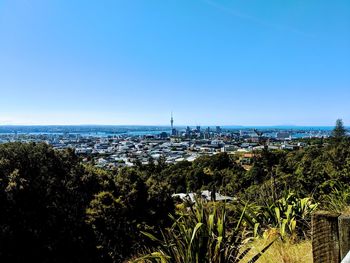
[257,62]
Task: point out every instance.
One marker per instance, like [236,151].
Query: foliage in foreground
[43,196]
[338,200]
[54,209]
[129,206]
[290,216]
[201,235]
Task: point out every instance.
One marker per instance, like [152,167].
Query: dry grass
[282,252]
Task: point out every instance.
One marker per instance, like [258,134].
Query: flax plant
[290,216]
[200,235]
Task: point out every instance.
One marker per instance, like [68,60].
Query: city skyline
[210,62]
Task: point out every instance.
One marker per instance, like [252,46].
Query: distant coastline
[139,130]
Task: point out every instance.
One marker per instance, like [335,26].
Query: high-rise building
[188,132]
[207,133]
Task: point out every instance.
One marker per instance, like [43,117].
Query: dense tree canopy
[43,195]
[53,209]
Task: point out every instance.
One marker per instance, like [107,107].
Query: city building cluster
[112,151]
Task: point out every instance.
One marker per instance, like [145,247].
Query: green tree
[339,130]
[43,197]
[132,204]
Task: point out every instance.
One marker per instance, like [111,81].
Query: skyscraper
[188,132]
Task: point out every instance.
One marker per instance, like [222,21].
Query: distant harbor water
[111,130]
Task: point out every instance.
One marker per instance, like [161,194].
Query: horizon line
[180,125]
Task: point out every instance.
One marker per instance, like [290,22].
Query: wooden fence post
[344,235]
[325,237]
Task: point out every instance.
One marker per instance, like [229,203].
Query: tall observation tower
[173,130]
[172,122]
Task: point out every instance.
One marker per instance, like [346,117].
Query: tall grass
[282,252]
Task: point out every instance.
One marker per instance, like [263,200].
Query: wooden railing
[330,237]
